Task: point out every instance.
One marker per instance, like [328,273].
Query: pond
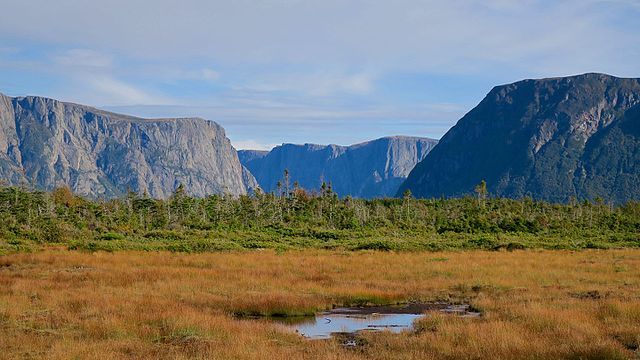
[395,319]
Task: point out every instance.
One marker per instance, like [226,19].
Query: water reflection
[377,318]
[323,325]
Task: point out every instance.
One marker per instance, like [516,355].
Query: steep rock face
[371,169]
[48,143]
[551,139]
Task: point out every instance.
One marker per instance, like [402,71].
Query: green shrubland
[31,219]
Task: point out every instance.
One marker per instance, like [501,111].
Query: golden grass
[61,304]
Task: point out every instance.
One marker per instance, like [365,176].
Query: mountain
[551,139]
[371,169]
[47,144]
[246,156]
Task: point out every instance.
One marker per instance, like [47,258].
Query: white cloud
[9,50]
[209,74]
[262,125]
[251,145]
[290,66]
[314,84]
[83,58]
[430,35]
[177,73]
[115,92]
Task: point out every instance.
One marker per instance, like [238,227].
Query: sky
[295,71]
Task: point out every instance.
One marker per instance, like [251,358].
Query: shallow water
[326,324]
[393,318]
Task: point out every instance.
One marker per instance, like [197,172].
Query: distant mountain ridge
[249,155]
[47,143]
[371,169]
[552,139]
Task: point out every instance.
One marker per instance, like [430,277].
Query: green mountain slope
[551,139]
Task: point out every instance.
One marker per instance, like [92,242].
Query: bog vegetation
[535,304]
[294,218]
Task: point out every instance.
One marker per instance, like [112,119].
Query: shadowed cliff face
[551,139]
[372,169]
[46,143]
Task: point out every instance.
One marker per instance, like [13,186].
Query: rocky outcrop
[46,144]
[552,139]
[371,169]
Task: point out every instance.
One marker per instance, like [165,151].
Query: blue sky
[330,71]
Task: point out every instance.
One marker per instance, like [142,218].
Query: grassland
[145,278]
[61,304]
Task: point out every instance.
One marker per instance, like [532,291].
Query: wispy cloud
[116,92]
[83,58]
[421,34]
[260,125]
[209,74]
[288,70]
[9,50]
[252,145]
[315,84]
[178,73]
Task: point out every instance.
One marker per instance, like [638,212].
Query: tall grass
[60,304]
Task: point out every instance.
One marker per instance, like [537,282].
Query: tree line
[59,216]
